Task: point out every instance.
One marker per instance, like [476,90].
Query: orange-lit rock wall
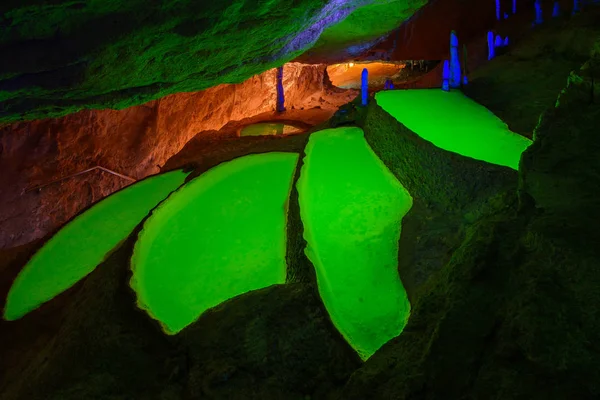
[136,142]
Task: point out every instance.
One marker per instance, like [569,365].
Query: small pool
[270,129]
[84,242]
[352,207]
[454,122]
[219,236]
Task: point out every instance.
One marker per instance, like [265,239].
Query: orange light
[351,65]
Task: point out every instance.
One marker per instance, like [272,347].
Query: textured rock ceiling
[60,56]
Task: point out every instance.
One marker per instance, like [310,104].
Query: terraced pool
[454,122]
[352,207]
[84,242]
[219,236]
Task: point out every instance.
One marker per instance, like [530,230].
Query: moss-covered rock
[274,343]
[512,314]
[449,192]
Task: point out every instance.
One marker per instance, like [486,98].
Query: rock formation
[136,142]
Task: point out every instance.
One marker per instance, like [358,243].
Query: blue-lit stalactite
[446,76]
[539,19]
[514,6]
[364,86]
[280,94]
[491,47]
[498,42]
[576,6]
[498,10]
[454,61]
[556,10]
[465,79]
[506,41]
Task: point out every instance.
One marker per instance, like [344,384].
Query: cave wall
[134,142]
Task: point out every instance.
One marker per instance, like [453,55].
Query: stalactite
[514,6]
[556,10]
[465,79]
[365,86]
[498,10]
[446,76]
[454,61]
[498,42]
[539,18]
[280,93]
[491,47]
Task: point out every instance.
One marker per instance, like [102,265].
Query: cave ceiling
[61,56]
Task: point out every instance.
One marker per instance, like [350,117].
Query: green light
[352,207]
[453,122]
[82,244]
[219,236]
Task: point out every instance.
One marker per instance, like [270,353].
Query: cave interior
[309,199]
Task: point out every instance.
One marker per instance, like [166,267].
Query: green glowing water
[453,122]
[219,236]
[265,128]
[82,244]
[352,207]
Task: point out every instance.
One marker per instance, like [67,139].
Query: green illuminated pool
[352,207]
[83,243]
[269,128]
[219,236]
[453,122]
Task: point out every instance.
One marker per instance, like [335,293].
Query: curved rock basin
[454,122]
[269,128]
[219,236]
[84,242]
[352,207]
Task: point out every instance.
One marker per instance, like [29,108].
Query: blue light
[446,76]
[514,6]
[499,42]
[491,47]
[364,87]
[556,10]
[280,93]
[498,10]
[539,19]
[454,61]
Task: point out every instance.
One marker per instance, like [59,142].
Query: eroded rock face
[135,142]
[67,56]
[560,169]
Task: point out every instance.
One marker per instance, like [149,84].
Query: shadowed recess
[219,236]
[84,242]
[352,207]
[453,122]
